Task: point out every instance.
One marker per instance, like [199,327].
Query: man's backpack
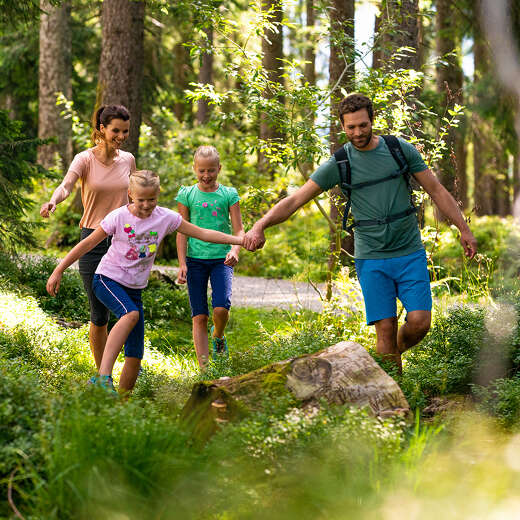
[345,175]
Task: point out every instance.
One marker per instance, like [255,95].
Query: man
[389,255]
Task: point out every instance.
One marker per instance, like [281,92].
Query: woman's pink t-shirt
[135,240]
[103,188]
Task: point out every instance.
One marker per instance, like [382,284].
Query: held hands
[254,239]
[53,283]
[469,243]
[47,209]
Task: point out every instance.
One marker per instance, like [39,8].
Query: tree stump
[344,373]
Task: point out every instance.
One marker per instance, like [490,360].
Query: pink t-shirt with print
[135,240]
[103,188]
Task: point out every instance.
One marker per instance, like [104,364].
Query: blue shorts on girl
[121,300]
[383,280]
[200,270]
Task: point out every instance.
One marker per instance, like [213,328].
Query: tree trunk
[377,52]
[309,72]
[54,76]
[205,76]
[182,78]
[401,19]
[272,62]
[341,75]
[344,373]
[484,158]
[451,169]
[121,62]
[502,186]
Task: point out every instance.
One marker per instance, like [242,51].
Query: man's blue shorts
[221,276]
[383,280]
[121,300]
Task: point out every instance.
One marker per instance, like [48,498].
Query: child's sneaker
[220,345]
[105,382]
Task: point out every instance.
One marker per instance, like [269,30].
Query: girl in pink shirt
[137,231]
[103,171]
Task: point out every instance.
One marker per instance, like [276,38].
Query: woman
[104,171]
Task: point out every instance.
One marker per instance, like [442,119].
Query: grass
[79,454]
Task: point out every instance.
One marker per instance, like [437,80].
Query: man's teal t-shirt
[208,210]
[398,238]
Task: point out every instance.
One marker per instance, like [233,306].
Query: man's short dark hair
[355,102]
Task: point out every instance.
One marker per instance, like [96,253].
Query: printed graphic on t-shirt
[212,209]
[141,245]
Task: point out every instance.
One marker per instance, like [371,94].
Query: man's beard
[364,141]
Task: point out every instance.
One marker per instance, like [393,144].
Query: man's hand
[182,274]
[53,283]
[469,243]
[47,209]
[254,239]
[231,259]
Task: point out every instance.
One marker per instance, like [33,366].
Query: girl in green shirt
[208,204]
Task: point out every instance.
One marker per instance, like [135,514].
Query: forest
[261,81]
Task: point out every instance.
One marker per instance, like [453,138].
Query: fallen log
[344,373]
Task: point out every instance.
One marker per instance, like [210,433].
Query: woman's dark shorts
[88,263]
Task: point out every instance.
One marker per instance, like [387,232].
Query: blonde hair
[145,179]
[206,151]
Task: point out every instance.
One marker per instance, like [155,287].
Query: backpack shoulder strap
[345,179]
[397,152]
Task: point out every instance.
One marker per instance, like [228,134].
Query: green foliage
[18,175]
[296,249]
[71,302]
[501,399]
[96,450]
[446,359]
[22,407]
[495,267]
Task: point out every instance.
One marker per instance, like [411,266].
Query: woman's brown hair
[103,116]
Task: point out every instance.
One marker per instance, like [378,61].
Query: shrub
[445,360]
[501,399]
[22,408]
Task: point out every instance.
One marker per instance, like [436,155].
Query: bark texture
[400,22]
[342,374]
[272,62]
[205,76]
[121,62]
[183,76]
[450,81]
[54,76]
[341,76]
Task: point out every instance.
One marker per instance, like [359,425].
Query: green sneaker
[220,346]
[105,382]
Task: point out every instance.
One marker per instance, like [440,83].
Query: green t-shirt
[398,238]
[208,210]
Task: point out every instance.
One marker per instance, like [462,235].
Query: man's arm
[448,206]
[255,239]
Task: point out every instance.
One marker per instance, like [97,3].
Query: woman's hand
[53,283]
[47,208]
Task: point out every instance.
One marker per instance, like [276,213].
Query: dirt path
[251,291]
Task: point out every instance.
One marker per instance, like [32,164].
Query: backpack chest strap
[384,220]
